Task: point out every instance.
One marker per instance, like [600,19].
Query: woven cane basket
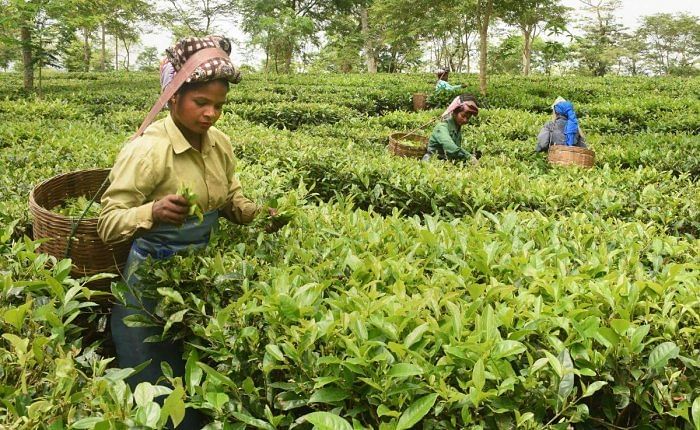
[397,148]
[419,101]
[89,253]
[570,155]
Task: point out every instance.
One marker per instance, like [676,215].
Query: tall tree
[124,22]
[598,48]
[195,17]
[399,28]
[19,23]
[632,49]
[532,17]
[283,27]
[30,27]
[673,42]
[551,54]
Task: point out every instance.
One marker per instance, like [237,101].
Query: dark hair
[465,98]
[191,86]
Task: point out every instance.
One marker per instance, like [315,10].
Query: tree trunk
[116,53]
[27,59]
[86,49]
[103,65]
[483,17]
[370,59]
[469,63]
[128,60]
[483,52]
[527,50]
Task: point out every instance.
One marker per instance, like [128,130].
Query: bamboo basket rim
[571,155]
[397,148]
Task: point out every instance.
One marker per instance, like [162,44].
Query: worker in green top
[445,142]
[442,84]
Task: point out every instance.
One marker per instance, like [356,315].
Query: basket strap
[181,76]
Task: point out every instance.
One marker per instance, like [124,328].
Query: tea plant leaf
[174,407]
[404,370]
[695,413]
[275,351]
[566,385]
[251,421]
[171,294]
[415,335]
[144,393]
[506,348]
[479,375]
[15,317]
[661,354]
[416,411]
[149,414]
[217,377]
[592,388]
[87,423]
[329,395]
[327,421]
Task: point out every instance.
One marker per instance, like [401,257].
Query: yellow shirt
[155,164]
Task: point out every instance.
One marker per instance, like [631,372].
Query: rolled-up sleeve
[124,206]
[238,208]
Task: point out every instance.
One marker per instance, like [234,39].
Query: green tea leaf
[479,375]
[329,395]
[87,423]
[695,413]
[275,351]
[566,384]
[327,421]
[595,386]
[404,370]
[255,422]
[661,354]
[506,348]
[174,407]
[416,411]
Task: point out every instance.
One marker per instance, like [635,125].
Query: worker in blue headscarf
[563,129]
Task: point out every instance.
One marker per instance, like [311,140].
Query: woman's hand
[274,224]
[172,209]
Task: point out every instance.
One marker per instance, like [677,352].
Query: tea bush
[402,294]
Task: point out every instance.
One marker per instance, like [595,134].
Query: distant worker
[562,130]
[445,142]
[442,84]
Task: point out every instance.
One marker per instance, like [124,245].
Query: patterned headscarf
[465,101]
[214,68]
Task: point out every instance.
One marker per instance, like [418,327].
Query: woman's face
[462,117]
[199,108]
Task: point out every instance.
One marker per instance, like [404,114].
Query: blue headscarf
[566,109]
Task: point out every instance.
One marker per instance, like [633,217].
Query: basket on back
[570,155]
[417,148]
[90,255]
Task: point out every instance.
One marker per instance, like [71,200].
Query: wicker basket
[397,148]
[89,253]
[419,101]
[570,155]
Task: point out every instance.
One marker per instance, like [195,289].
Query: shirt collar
[180,144]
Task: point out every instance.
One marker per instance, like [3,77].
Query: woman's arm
[125,208]
[238,208]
